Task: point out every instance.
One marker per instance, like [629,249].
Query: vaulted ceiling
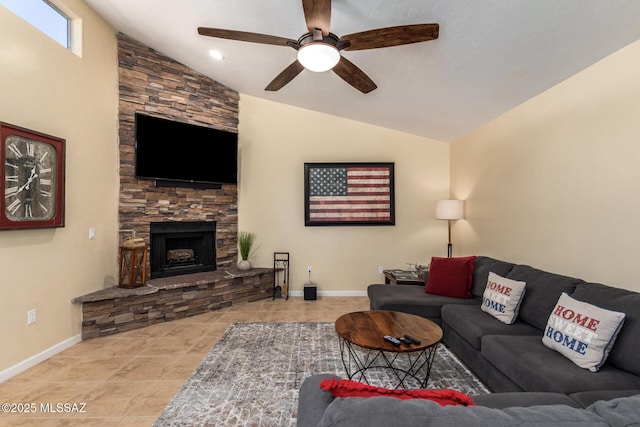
[491,56]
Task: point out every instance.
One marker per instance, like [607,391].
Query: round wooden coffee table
[366,329]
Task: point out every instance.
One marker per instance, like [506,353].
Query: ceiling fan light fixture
[318,56]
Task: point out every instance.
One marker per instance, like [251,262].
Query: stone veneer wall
[157,85]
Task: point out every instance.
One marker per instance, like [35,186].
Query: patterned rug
[252,375]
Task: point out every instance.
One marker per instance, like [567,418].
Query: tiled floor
[127,379]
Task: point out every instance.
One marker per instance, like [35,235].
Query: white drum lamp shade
[449,210]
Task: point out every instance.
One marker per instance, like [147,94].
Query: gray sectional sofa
[510,359]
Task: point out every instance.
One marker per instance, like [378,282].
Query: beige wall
[275,142]
[49,89]
[554,182]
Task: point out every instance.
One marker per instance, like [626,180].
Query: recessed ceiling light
[216,54]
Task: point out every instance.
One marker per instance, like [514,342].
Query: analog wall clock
[32,179]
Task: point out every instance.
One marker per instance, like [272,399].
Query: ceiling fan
[319,49]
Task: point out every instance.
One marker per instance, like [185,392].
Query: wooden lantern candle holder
[133,264]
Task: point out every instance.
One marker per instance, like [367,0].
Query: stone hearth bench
[113,310]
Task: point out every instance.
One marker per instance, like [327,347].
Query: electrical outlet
[380,269]
[92,233]
[31,316]
[308,269]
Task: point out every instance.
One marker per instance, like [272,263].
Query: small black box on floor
[310,291]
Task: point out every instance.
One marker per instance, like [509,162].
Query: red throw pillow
[451,277]
[350,388]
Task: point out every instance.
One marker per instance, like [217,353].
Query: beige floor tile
[91,368]
[204,345]
[84,421]
[116,397]
[216,329]
[14,389]
[109,346]
[136,421]
[154,400]
[49,370]
[182,367]
[239,316]
[167,345]
[61,392]
[212,316]
[189,330]
[276,316]
[67,420]
[246,308]
[307,316]
[143,368]
[288,307]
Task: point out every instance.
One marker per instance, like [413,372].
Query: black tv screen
[173,151]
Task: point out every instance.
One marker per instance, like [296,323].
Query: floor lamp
[449,210]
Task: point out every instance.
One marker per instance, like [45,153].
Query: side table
[402,277]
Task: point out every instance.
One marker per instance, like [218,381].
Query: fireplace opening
[182,248]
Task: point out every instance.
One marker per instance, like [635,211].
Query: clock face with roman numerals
[28,191]
[31,179]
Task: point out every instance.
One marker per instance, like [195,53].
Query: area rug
[252,375]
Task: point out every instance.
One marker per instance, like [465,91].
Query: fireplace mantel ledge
[165,283]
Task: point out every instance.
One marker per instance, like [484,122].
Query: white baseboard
[38,358]
[332,293]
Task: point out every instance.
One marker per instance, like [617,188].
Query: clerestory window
[45,16]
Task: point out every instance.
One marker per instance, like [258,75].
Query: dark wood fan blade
[285,76]
[391,36]
[317,13]
[244,36]
[354,76]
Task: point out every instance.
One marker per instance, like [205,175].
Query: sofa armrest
[312,400]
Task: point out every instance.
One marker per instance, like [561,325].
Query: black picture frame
[348,194]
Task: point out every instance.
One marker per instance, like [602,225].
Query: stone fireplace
[188,230]
[154,84]
[182,248]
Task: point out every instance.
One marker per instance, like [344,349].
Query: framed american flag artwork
[348,194]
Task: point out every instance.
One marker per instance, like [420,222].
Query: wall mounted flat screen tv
[171,151]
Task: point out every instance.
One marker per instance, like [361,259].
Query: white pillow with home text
[582,332]
[502,298]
